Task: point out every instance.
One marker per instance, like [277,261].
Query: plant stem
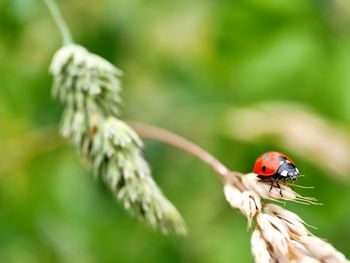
[151,132]
[147,131]
[60,23]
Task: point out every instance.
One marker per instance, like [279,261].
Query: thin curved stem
[147,131]
[151,132]
[59,21]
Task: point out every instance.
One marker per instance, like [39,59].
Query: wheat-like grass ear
[280,235]
[89,88]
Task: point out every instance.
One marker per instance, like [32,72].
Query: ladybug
[275,166]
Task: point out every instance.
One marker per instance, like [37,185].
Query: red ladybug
[275,166]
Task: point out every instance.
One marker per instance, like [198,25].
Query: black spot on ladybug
[263,168]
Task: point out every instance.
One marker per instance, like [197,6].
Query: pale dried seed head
[296,228]
[247,202]
[306,259]
[303,255]
[322,250]
[302,246]
[297,253]
[277,224]
[281,212]
[299,248]
[250,205]
[263,189]
[252,182]
[283,233]
[260,248]
[274,233]
[233,195]
[293,222]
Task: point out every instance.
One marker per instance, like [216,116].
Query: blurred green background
[187,65]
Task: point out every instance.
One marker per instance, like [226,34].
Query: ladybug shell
[268,163]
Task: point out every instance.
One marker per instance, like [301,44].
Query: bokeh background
[236,77]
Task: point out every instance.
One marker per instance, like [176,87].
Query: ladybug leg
[271,181]
[279,187]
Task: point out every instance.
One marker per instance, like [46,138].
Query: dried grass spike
[260,248]
[264,190]
[293,222]
[275,234]
[322,250]
[247,202]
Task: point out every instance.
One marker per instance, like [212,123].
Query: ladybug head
[288,171]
